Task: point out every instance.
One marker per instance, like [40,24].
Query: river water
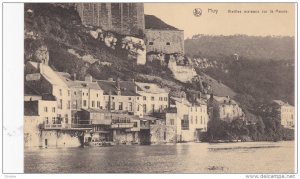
[250,157]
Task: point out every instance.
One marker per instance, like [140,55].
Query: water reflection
[257,157]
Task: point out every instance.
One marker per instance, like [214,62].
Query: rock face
[41,55]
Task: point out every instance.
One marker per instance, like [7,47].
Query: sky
[216,20]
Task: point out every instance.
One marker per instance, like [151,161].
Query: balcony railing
[122,125]
[67,126]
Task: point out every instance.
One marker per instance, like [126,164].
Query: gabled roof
[224,100]
[153,22]
[49,74]
[281,103]
[127,88]
[150,88]
[66,77]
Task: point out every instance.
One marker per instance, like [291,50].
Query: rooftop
[153,22]
[224,100]
[281,103]
[66,77]
[150,88]
[127,88]
[49,74]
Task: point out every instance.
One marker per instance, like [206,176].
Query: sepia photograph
[194,88]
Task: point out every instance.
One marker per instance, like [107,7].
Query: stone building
[123,18]
[46,81]
[163,38]
[190,119]
[224,108]
[286,113]
[154,98]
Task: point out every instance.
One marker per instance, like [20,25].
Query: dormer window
[150,43]
[168,43]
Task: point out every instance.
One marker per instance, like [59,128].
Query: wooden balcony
[66,126]
[122,125]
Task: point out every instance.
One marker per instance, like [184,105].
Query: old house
[154,98]
[224,108]
[286,113]
[84,94]
[121,96]
[190,119]
[46,81]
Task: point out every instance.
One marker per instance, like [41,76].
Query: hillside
[250,47]
[71,47]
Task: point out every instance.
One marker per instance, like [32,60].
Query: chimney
[135,88]
[211,96]
[118,83]
[74,77]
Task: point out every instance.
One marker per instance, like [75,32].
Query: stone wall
[162,133]
[120,136]
[123,18]
[165,41]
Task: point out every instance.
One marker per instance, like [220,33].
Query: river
[248,157]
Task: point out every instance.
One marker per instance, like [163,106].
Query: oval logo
[197,12]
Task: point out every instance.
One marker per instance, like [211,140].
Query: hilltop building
[286,113]
[123,18]
[163,38]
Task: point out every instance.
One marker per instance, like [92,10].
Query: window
[45,109]
[196,109]
[192,120]
[191,109]
[87,94]
[69,104]
[144,107]
[196,119]
[166,98]
[137,98]
[201,120]
[145,98]
[168,43]
[84,103]
[98,104]
[160,98]
[60,92]
[152,98]
[153,107]
[120,106]
[97,95]
[93,103]
[113,105]
[138,108]
[60,104]
[172,122]
[74,92]
[82,93]
[68,92]
[74,104]
[53,109]
[150,43]
[47,121]
[130,106]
